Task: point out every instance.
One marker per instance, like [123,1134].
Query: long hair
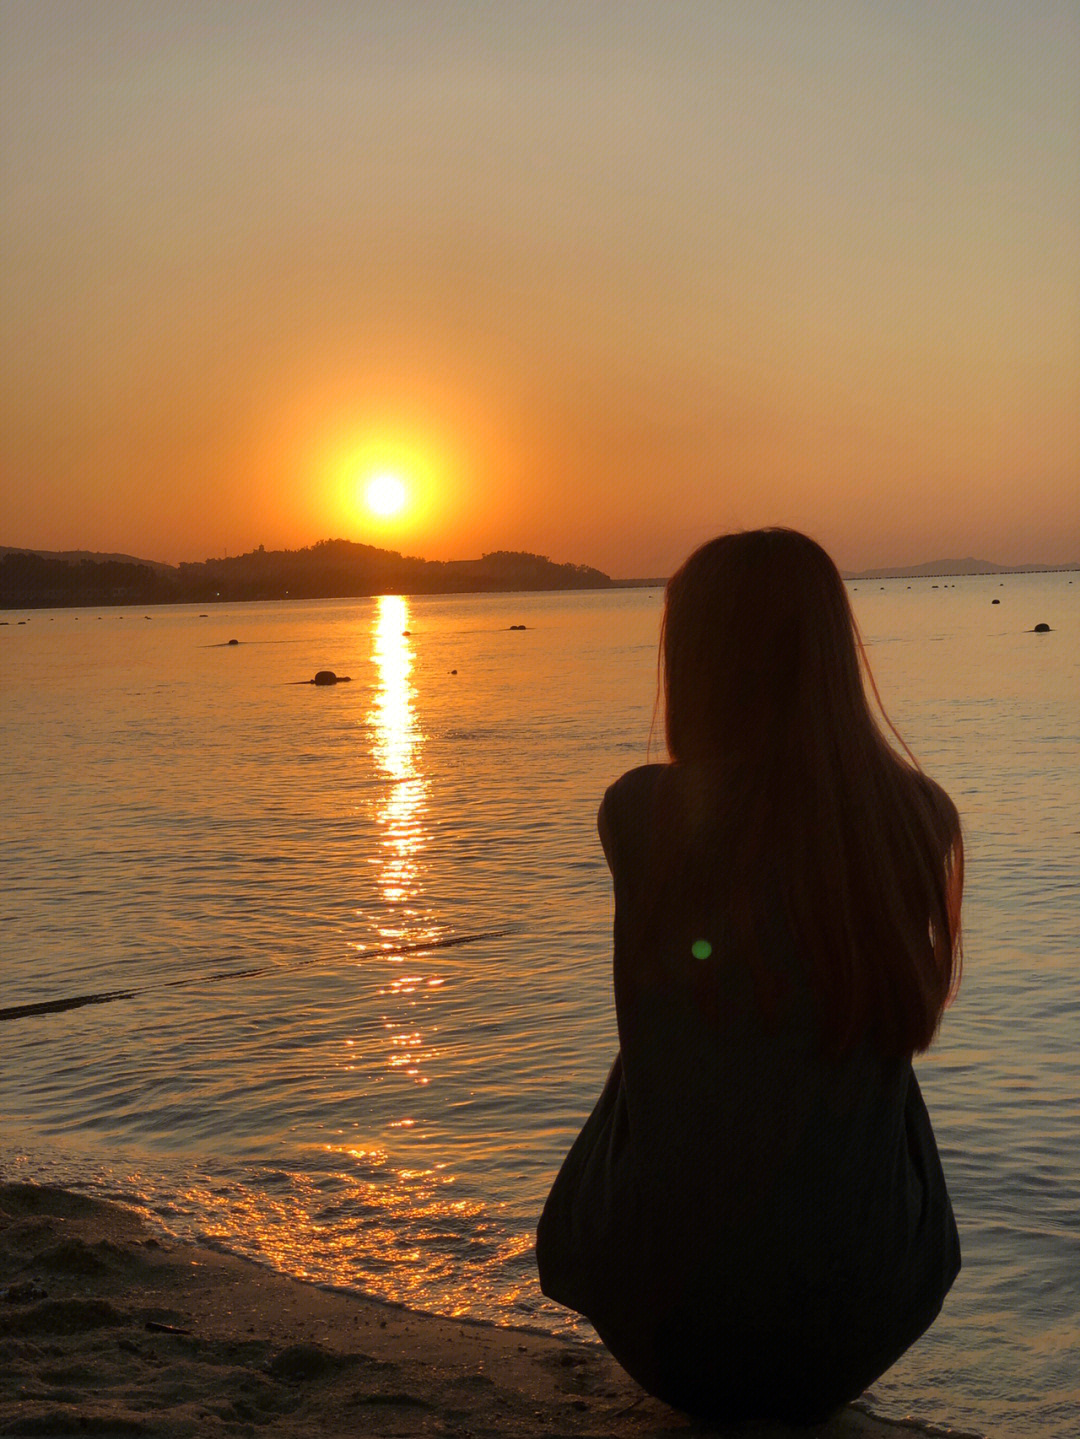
[768,719]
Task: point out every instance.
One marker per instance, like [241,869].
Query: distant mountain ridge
[967,566]
[337,569]
[75,557]
[330,569]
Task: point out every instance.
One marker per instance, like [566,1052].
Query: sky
[594,280]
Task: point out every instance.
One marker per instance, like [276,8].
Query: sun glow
[357,472]
[385,495]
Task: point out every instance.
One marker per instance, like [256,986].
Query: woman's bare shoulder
[631,814]
[632,797]
[638,783]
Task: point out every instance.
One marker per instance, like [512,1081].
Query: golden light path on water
[441,1230]
[398,1229]
[396,747]
[396,752]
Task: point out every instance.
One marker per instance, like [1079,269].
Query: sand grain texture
[107,1329]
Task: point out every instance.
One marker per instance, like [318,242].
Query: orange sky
[599,281]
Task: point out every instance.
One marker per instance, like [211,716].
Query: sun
[385,495]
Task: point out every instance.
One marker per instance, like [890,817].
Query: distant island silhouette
[331,569]
[336,569]
[958,568]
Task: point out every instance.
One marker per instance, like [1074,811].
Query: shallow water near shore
[364,935]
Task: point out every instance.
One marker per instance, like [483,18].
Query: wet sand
[107,1327]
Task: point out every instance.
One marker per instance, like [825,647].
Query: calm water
[309,1073]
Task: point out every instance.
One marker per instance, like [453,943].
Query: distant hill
[967,566]
[328,570]
[76,557]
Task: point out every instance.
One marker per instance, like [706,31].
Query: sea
[342,953]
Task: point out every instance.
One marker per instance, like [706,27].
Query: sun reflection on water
[390,1220]
[401,825]
[410,1240]
[396,751]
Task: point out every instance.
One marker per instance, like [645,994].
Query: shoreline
[109,1327]
[132,603]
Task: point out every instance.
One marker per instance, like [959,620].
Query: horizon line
[877,572]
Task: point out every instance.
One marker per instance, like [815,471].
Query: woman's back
[735,1190]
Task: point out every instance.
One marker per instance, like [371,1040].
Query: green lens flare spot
[701,949]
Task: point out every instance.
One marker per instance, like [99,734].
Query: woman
[754,1217]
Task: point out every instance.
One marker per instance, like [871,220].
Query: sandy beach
[109,1327]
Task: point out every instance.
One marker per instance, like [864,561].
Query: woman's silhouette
[754,1217]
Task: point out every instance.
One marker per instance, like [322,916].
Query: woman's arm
[604,831]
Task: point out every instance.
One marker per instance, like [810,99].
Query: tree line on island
[328,570]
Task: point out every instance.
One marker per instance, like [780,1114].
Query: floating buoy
[1041,630]
[453,672]
[995,602]
[517,627]
[328,677]
[406,634]
[234,642]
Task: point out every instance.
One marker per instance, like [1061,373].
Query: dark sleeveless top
[754,1230]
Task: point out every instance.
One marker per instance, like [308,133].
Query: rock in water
[328,677]
[1041,630]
